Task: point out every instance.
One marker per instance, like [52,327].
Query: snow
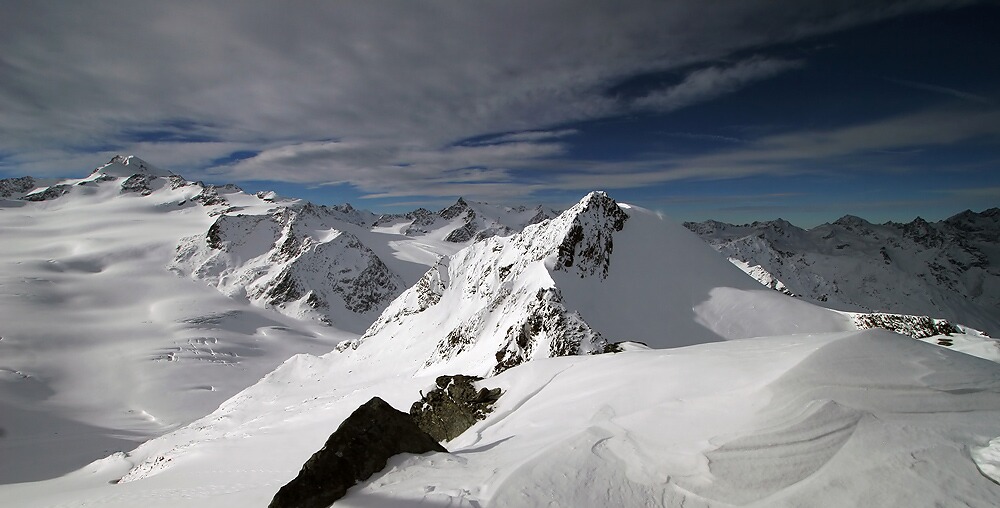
[840,419]
[102,347]
[660,269]
[945,270]
[123,384]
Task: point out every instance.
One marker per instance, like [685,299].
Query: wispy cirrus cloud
[392,77]
[943,90]
[711,82]
[517,169]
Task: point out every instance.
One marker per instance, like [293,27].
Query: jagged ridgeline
[948,269]
[600,272]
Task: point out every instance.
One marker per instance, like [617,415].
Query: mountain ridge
[948,269]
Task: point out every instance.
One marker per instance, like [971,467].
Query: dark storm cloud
[396,84]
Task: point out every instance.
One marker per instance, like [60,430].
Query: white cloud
[399,83]
[959,94]
[711,82]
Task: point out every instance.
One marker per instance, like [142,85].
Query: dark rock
[462,234]
[12,186]
[138,183]
[588,243]
[46,194]
[454,406]
[918,327]
[359,448]
[454,210]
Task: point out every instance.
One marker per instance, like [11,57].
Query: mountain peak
[454,210]
[851,220]
[587,229]
[125,166]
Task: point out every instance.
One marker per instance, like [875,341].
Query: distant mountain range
[948,269]
[199,342]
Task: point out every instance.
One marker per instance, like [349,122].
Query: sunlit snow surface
[842,419]
[104,348]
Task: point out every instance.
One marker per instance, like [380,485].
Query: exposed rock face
[16,186]
[588,243]
[48,193]
[949,268]
[547,318]
[138,183]
[918,327]
[359,448]
[489,307]
[454,406]
[462,234]
[293,260]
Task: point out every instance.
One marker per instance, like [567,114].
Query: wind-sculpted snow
[948,269]
[843,419]
[292,259]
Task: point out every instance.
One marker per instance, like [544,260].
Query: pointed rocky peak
[849,221]
[587,229]
[455,210]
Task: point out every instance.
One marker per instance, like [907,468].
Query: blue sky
[737,111]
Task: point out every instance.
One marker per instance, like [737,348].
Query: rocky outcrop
[14,187]
[918,327]
[360,447]
[48,193]
[138,183]
[547,321]
[454,406]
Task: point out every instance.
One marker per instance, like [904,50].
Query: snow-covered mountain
[464,221]
[101,347]
[594,275]
[948,269]
[637,366]
[292,258]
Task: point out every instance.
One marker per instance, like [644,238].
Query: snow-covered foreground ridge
[842,419]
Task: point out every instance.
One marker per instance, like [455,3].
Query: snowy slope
[597,273]
[292,258]
[949,269]
[100,342]
[778,402]
[101,346]
[845,419]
